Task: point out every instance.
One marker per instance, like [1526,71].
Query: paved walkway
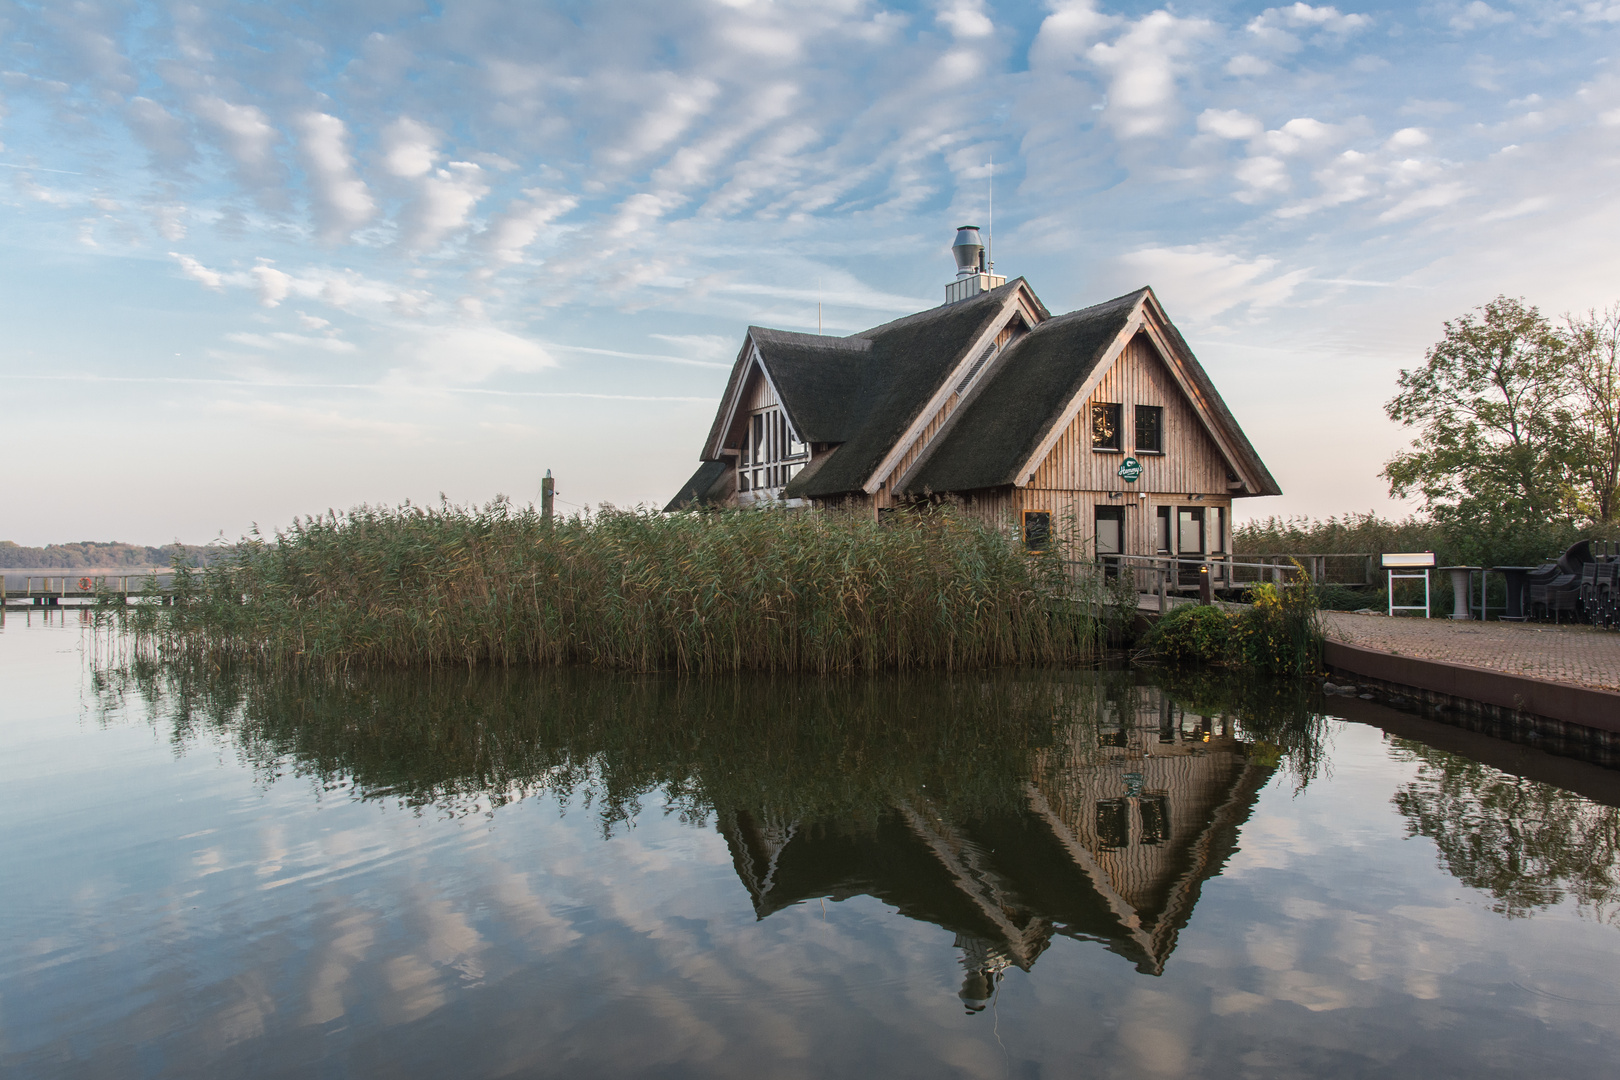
[1577,655]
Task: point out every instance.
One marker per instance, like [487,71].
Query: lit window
[1105,423]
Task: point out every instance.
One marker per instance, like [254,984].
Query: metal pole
[548,490]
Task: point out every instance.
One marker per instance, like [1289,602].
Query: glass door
[1190,541]
[1110,536]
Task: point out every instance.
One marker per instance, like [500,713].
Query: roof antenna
[818,305]
[990,227]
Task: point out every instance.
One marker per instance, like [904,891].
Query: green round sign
[1129,470]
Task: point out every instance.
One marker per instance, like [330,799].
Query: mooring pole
[548,489]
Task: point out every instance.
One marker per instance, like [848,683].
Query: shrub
[1191,633]
[1280,631]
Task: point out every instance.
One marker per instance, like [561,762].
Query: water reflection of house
[1112,841]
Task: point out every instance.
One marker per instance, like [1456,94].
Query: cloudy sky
[262,260]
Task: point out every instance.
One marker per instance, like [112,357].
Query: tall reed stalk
[764,591]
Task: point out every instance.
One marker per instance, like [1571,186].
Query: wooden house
[1100,423]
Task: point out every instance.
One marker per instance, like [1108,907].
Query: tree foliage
[1494,423]
[1594,371]
[1518,421]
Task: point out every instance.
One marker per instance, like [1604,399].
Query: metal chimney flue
[973,274]
[969,251]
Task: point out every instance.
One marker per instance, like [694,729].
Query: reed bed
[627,589]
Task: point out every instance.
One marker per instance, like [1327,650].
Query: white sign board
[1409,558]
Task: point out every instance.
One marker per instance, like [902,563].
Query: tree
[1495,427]
[1594,347]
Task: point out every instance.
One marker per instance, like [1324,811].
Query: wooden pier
[51,590]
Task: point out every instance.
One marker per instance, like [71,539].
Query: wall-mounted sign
[1129,470]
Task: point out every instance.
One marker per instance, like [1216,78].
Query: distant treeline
[96,554]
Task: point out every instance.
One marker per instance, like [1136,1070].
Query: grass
[773,591]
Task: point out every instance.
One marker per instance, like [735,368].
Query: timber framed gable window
[771,452]
[1106,435]
[1149,435]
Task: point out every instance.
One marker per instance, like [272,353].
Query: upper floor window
[1149,429]
[771,452]
[1105,426]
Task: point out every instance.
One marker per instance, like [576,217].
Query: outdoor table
[1461,576]
[1517,577]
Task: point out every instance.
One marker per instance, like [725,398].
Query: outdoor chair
[1557,596]
[1603,604]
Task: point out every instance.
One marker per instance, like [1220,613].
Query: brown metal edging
[1583,705]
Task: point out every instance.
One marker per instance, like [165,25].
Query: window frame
[1118,438]
[1136,429]
[771,453]
[1042,537]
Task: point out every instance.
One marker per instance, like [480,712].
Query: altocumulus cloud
[444,192]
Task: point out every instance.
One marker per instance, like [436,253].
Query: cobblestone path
[1567,654]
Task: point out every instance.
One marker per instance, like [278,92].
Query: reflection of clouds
[1154,1031]
[525,944]
[414,989]
[338,958]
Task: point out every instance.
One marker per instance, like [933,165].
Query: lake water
[563,874]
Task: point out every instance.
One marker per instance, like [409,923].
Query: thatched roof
[908,360]
[1033,384]
[860,395]
[709,484]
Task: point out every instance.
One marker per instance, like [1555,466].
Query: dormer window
[771,453]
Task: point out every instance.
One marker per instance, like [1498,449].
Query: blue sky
[261,260]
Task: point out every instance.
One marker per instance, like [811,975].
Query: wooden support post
[548,492]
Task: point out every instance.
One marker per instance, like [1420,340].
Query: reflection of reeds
[837,748]
[766,591]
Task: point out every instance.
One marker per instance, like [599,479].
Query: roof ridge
[818,341]
[1123,300]
[999,290]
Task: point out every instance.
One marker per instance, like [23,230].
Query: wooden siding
[884,496]
[1191,461]
[757,394]
[1074,479]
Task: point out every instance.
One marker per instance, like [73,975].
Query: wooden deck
[71,588]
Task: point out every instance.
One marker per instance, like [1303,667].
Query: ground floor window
[1037,530]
